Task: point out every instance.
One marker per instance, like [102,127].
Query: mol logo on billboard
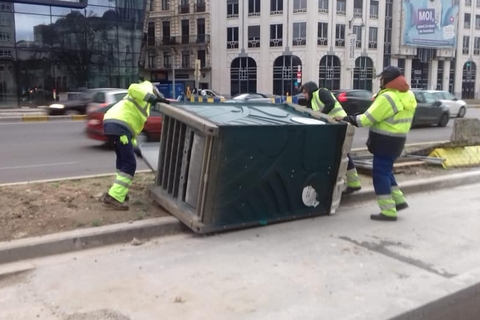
[429,23]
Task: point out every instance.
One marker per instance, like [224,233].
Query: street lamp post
[352,43]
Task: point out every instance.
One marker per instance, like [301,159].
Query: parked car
[354,101]
[151,131]
[250,97]
[458,107]
[104,97]
[430,111]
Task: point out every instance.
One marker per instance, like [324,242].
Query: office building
[47,50]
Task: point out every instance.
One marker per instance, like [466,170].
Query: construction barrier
[203,99]
[458,156]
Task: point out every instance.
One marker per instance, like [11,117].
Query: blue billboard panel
[430,23]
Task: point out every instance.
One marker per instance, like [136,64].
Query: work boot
[350,190]
[112,203]
[401,206]
[382,217]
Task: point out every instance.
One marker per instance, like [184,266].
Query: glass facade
[46,51]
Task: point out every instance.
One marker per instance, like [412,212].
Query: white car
[104,97]
[458,108]
[208,93]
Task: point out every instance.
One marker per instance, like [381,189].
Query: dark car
[354,101]
[76,104]
[430,111]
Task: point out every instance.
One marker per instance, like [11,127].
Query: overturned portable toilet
[229,166]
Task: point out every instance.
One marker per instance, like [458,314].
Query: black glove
[162,100]
[352,120]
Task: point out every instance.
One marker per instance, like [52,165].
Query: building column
[408,70]
[446,75]
[433,74]
[458,77]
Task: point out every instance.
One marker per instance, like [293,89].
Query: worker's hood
[406,96]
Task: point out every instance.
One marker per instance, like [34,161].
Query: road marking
[66,178]
[38,165]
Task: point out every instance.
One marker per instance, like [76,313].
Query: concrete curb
[81,239]
[417,186]
[42,118]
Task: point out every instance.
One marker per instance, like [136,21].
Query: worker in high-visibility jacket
[389,117]
[121,124]
[323,100]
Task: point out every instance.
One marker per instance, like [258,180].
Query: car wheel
[443,120]
[72,112]
[462,112]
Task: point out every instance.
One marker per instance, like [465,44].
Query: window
[185,31]
[202,56]
[186,59]
[152,5]
[167,60]
[340,35]
[165,5]
[358,31]
[476,46]
[341,7]
[200,6]
[300,6]
[5,7]
[373,8]
[151,34]
[232,8]
[323,6]
[151,60]
[184,7]
[201,30]
[4,37]
[5,53]
[166,32]
[322,34]
[357,8]
[468,2]
[299,33]
[372,37]
[232,38]
[477,21]
[4,20]
[276,7]
[253,8]
[276,35]
[466,23]
[254,36]
[99,97]
[466,44]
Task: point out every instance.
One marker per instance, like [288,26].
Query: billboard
[430,23]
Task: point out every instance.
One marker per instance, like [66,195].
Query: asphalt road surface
[36,151]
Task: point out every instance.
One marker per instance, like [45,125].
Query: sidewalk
[339,267]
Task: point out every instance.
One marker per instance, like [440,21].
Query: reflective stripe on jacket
[318,105]
[391,113]
[134,110]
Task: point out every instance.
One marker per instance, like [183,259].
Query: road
[339,267]
[35,151]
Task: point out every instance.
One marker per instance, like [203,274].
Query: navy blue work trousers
[383,178]
[126,161]
[350,165]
